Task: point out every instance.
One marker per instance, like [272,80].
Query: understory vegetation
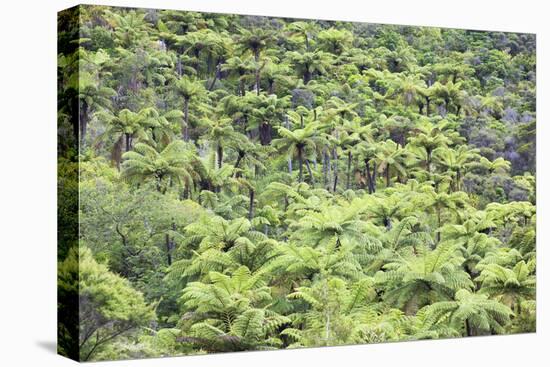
[254,183]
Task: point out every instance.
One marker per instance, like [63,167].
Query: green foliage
[424,278]
[230,313]
[250,183]
[109,307]
[176,163]
[473,313]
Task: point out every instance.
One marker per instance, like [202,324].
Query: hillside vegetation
[254,183]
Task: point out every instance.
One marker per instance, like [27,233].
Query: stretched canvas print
[241,183]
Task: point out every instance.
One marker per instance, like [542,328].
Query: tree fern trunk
[197,54]
[308,166]
[128,143]
[307,76]
[251,204]
[327,314]
[325,168]
[289,166]
[159,184]
[369,177]
[265,133]
[438,235]
[116,154]
[429,160]
[185,127]
[348,179]
[241,86]
[427,106]
[468,328]
[168,250]
[335,159]
[216,73]
[258,81]
[300,163]
[83,117]
[220,155]
[239,158]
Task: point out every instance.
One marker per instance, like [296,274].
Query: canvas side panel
[67,183]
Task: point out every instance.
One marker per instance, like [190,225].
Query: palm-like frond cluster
[270,183]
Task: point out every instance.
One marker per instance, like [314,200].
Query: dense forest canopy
[252,183]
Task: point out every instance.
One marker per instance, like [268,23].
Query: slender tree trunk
[308,166]
[241,86]
[245,125]
[257,76]
[427,106]
[429,160]
[387,223]
[220,155]
[265,133]
[287,126]
[216,74]
[159,184]
[116,154]
[197,53]
[329,171]
[315,163]
[335,184]
[179,68]
[185,127]
[128,142]
[369,177]
[83,117]
[325,168]
[335,159]
[258,81]
[388,177]
[468,328]
[438,235]
[289,165]
[168,249]
[364,175]
[185,193]
[240,156]
[251,205]
[349,171]
[208,63]
[327,314]
[300,163]
[307,76]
